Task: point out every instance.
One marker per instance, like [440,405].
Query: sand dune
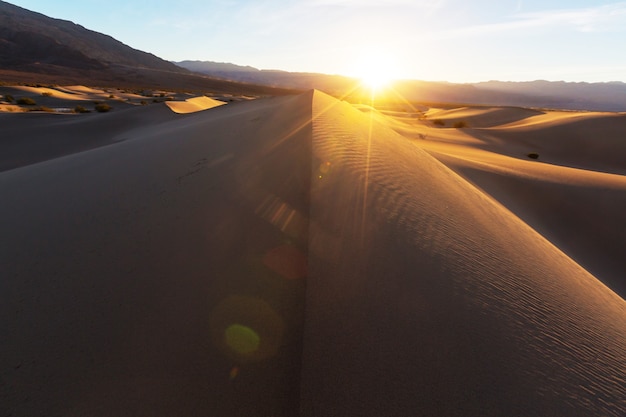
[123,261]
[80,89]
[60,94]
[163,274]
[592,141]
[579,210]
[425,295]
[30,137]
[65,98]
[72,93]
[192,105]
[482,116]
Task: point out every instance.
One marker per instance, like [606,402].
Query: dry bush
[80,109]
[26,101]
[102,107]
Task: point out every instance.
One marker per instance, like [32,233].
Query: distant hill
[559,95]
[610,96]
[35,48]
[31,40]
[333,84]
[215,67]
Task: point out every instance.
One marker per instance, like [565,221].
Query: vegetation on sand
[102,107]
[26,101]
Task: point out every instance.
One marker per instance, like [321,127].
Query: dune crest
[192,105]
[483,116]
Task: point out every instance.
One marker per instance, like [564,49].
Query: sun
[375,68]
[375,77]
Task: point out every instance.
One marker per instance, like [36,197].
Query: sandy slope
[124,265]
[65,98]
[74,93]
[82,94]
[38,136]
[482,116]
[424,296]
[164,274]
[579,210]
[592,141]
[192,105]
[31,137]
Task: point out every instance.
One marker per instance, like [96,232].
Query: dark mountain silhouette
[26,36]
[609,96]
[333,84]
[37,48]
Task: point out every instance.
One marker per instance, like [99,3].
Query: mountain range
[33,41]
[609,96]
[37,48]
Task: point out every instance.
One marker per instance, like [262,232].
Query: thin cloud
[605,18]
[427,4]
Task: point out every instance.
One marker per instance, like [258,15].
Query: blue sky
[437,40]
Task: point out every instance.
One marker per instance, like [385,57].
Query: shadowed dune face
[581,214]
[30,138]
[559,172]
[591,141]
[33,137]
[162,274]
[290,256]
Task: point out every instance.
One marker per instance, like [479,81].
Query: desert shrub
[111,96]
[460,124]
[439,122]
[80,109]
[46,94]
[103,107]
[143,102]
[533,155]
[27,101]
[9,98]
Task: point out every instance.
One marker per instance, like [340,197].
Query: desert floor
[301,255]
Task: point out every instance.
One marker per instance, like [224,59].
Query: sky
[434,40]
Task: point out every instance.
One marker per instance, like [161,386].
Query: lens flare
[242,339]
[247,329]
